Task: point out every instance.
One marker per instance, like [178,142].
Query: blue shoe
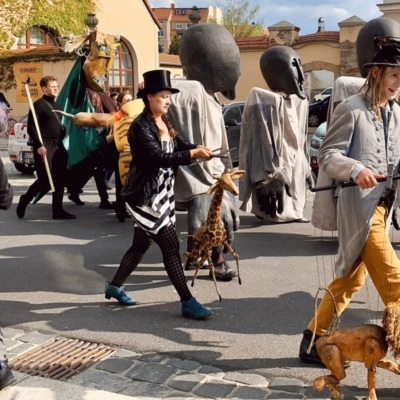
[119,294]
[193,309]
[6,376]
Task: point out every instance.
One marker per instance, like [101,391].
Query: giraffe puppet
[212,233]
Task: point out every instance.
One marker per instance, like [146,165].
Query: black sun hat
[155,81]
[387,52]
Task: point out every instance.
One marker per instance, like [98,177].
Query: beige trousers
[379,260]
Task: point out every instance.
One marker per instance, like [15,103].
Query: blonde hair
[373,86]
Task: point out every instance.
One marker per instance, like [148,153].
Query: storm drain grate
[60,358]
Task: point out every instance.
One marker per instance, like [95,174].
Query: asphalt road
[53,275]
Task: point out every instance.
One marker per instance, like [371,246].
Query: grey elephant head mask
[377,27]
[282,70]
[210,55]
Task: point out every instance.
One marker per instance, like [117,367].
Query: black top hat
[387,52]
[156,81]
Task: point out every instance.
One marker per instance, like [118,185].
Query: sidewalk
[128,375]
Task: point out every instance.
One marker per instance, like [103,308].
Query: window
[37,37]
[178,26]
[121,74]
[177,11]
[160,33]
[188,26]
[183,12]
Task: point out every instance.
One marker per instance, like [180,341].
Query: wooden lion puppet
[365,343]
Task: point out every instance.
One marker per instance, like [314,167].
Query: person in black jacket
[6,197]
[156,154]
[52,132]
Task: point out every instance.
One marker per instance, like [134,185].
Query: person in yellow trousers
[362,145]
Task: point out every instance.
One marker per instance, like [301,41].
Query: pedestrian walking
[48,143]
[362,145]
[157,151]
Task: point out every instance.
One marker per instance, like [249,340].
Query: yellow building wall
[59,69]
[131,20]
[250,75]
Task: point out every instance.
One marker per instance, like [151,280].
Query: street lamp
[195,15]
[91,21]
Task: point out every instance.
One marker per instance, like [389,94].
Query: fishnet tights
[168,242]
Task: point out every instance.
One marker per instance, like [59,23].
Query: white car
[324,94]
[21,155]
[315,144]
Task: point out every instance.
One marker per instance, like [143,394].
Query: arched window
[36,37]
[121,74]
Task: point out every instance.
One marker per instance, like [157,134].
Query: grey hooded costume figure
[210,59]
[273,140]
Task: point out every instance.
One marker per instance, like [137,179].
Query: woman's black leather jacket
[148,157]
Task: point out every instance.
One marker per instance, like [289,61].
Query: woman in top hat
[157,151]
[362,145]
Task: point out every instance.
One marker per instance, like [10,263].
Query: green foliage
[61,16]
[240,18]
[174,46]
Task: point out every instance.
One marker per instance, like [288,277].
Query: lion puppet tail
[391,325]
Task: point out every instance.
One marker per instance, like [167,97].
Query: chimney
[172,5]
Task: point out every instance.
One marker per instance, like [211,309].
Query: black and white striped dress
[161,210]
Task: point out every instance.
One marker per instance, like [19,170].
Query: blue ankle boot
[6,376]
[119,294]
[192,309]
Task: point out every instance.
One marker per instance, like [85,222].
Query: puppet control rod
[349,184]
[46,162]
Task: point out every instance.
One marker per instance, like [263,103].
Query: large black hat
[156,81]
[387,52]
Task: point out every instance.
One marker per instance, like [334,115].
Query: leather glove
[270,196]
[395,219]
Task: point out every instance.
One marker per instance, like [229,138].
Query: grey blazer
[355,139]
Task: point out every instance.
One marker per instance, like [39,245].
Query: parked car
[317,112]
[315,144]
[232,113]
[21,155]
[323,95]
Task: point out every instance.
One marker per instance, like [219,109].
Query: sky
[301,13]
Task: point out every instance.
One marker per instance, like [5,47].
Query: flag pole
[46,162]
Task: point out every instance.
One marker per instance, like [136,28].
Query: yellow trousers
[379,260]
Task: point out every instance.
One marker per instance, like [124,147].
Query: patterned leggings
[168,242]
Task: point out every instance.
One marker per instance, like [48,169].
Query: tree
[240,18]
[174,46]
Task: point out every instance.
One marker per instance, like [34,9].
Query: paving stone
[186,365]
[286,396]
[247,393]
[218,389]
[36,337]
[12,333]
[10,343]
[186,382]
[207,369]
[153,357]
[151,372]
[115,365]
[93,378]
[23,348]
[122,353]
[148,390]
[287,384]
[247,379]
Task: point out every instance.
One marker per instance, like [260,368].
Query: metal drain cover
[60,358]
